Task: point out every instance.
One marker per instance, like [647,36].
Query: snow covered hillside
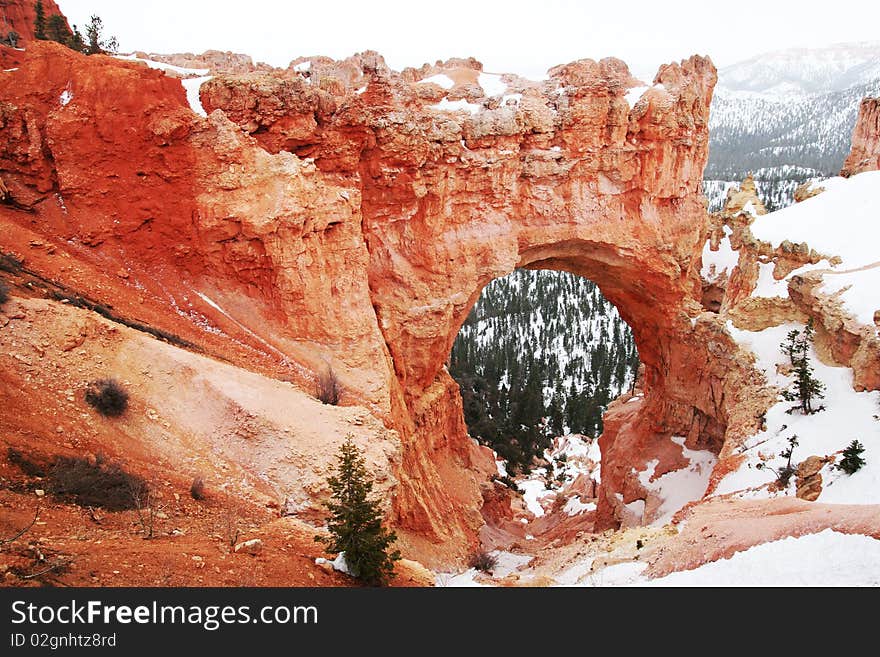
[829,223]
[787,117]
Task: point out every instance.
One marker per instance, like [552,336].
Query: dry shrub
[483,561]
[107,397]
[197,489]
[328,389]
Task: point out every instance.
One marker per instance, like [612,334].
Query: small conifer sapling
[355,522]
[852,460]
[806,387]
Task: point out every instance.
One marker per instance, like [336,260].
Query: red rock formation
[865,153]
[20,16]
[215,61]
[366,246]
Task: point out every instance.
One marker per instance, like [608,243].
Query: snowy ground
[828,558]
[678,487]
[848,416]
[826,222]
[506,564]
[841,221]
[571,456]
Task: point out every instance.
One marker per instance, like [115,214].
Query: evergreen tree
[57,30]
[807,387]
[356,521]
[852,458]
[95,43]
[39,21]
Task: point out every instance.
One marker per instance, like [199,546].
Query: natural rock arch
[354,218]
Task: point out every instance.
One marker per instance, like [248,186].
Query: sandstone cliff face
[865,153]
[20,16]
[342,215]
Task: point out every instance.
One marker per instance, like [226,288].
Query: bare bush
[144,502]
[26,465]
[98,484]
[107,397]
[197,489]
[328,389]
[483,561]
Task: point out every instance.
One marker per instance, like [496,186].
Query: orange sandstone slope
[340,215]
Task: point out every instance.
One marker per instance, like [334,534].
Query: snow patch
[574,506]
[339,563]
[446,105]
[506,563]
[716,263]
[853,287]
[678,487]
[192,87]
[633,95]
[828,558]
[533,491]
[492,84]
[619,574]
[441,80]
[165,67]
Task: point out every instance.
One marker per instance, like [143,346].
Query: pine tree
[852,458]
[806,386]
[57,30]
[39,20]
[356,521]
[96,44]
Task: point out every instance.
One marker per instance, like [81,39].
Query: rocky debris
[807,190]
[253,547]
[865,153]
[809,479]
[414,573]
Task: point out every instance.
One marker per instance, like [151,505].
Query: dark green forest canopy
[541,354]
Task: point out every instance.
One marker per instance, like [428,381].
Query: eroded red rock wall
[865,152]
[20,16]
[339,219]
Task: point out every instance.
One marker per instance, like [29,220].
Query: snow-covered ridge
[793,71]
[793,108]
[192,79]
[842,222]
[166,67]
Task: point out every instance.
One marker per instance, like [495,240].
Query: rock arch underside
[349,218]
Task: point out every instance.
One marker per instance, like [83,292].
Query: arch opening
[539,357]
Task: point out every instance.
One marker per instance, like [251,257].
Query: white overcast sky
[526,37]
